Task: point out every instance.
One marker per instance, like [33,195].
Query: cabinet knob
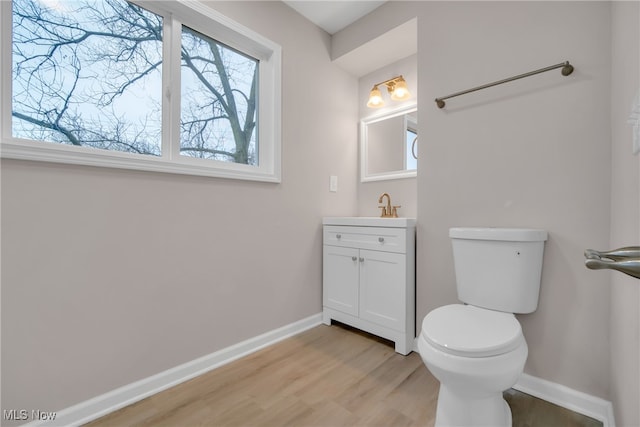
[338,236]
[381,239]
[361,259]
[354,258]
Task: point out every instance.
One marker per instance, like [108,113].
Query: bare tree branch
[72,71]
[45,124]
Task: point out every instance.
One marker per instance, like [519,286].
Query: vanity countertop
[369,221]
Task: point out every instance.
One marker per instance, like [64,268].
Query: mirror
[389,145]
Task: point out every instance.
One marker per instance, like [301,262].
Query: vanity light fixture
[397,88]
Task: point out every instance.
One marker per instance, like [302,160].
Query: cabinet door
[340,279]
[383,288]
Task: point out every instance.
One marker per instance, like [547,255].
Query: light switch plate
[333,183]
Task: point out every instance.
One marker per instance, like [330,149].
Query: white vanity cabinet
[369,276]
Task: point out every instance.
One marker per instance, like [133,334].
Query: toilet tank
[498,268]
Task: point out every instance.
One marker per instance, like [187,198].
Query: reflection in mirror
[411,148]
[389,145]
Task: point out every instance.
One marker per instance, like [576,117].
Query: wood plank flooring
[327,376]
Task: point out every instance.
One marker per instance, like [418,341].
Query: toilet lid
[469,331]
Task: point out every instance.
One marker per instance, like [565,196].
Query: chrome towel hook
[625,260]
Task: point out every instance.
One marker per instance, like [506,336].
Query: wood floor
[326,376]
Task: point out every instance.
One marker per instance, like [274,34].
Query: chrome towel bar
[625,260]
[566,70]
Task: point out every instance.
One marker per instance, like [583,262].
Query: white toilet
[476,350]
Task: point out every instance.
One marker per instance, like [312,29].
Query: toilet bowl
[476,354]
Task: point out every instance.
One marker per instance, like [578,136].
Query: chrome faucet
[388,211]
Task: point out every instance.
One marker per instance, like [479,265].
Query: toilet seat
[468,331]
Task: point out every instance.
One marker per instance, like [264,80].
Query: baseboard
[119,398]
[577,401]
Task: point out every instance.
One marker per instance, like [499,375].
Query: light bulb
[375,98]
[400,91]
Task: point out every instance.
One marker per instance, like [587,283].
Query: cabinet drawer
[374,238]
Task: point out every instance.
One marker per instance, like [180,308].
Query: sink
[369,221]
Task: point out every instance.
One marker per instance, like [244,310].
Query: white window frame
[175,13]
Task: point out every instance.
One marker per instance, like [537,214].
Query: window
[218,114]
[77,81]
[147,85]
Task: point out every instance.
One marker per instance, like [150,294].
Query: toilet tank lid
[498,233]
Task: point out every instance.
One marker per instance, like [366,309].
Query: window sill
[53,153]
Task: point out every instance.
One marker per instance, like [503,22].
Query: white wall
[531,153]
[625,213]
[110,276]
